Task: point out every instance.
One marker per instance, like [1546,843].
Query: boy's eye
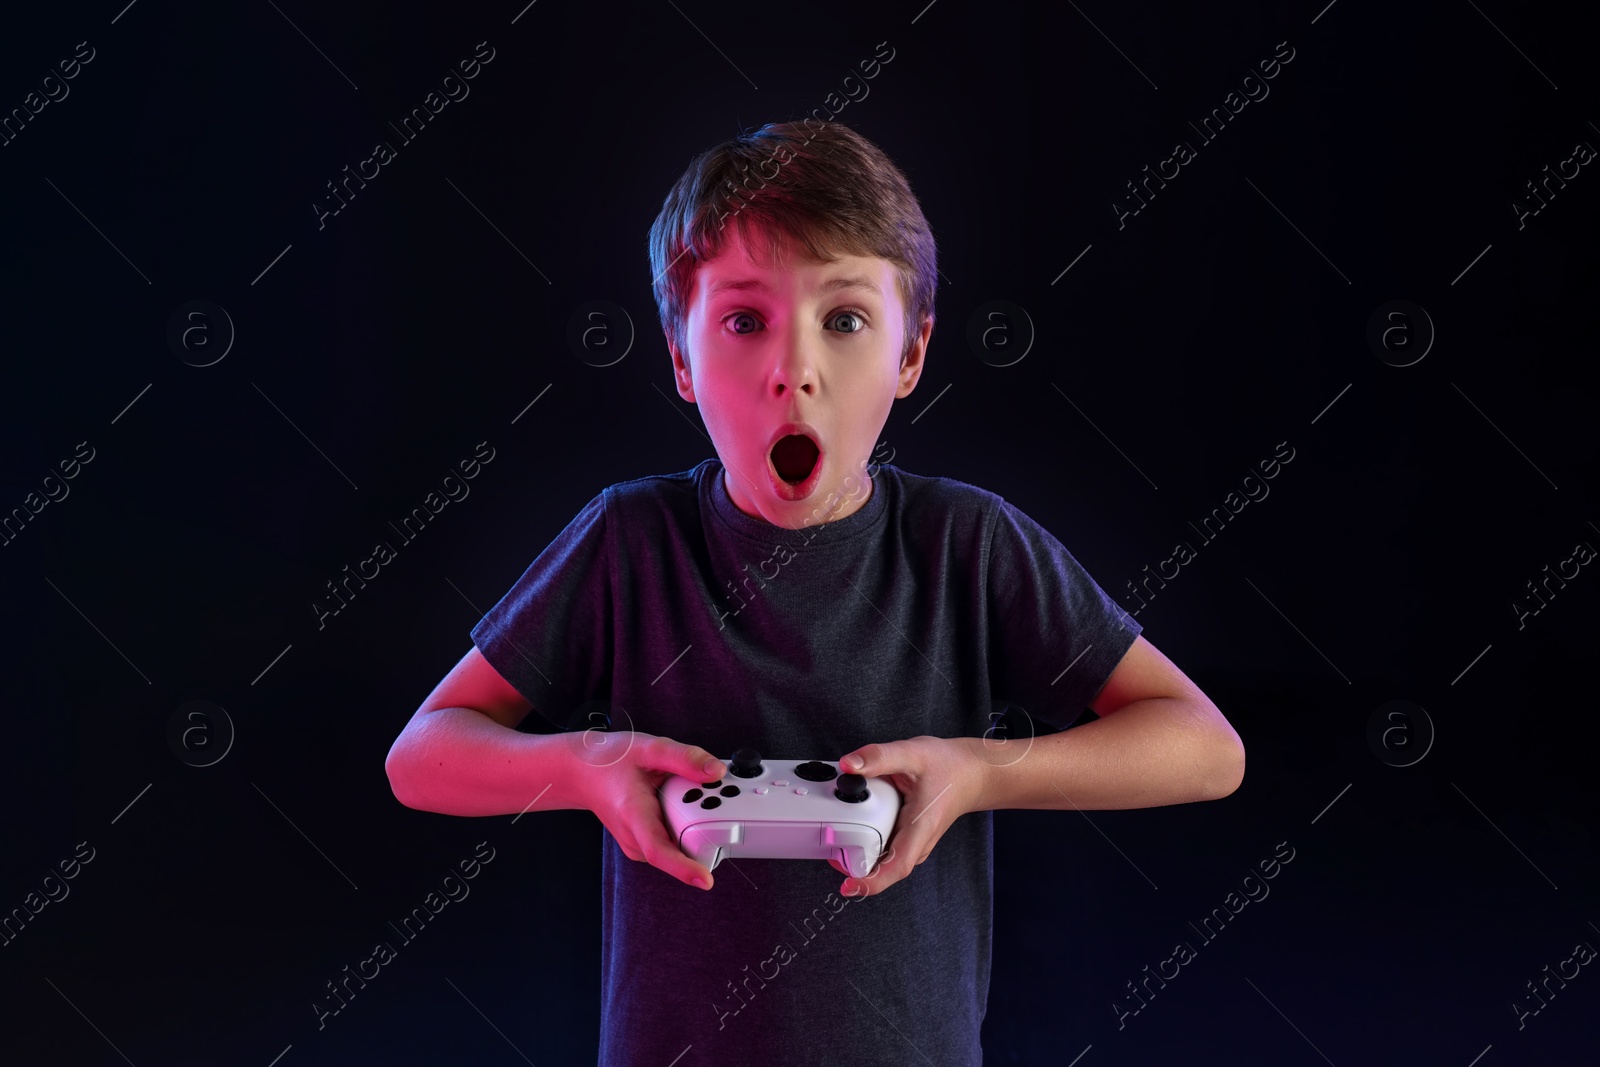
[846,316]
[742,322]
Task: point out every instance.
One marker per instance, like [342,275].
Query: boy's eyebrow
[831,286]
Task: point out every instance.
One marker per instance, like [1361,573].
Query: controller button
[761,789]
[852,788]
[746,763]
[691,796]
[816,771]
[709,785]
[801,791]
[730,790]
[711,802]
[781,781]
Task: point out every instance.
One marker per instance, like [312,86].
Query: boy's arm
[461,753]
[1159,740]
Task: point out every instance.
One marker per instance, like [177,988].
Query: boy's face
[772,344]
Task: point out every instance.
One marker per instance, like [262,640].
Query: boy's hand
[940,779]
[617,776]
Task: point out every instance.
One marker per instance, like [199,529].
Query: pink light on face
[795,345]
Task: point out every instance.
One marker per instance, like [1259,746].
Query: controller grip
[704,844]
[856,847]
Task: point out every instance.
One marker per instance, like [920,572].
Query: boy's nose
[794,365]
[785,383]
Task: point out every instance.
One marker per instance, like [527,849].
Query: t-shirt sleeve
[550,636]
[1054,635]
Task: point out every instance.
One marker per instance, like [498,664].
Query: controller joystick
[851,788]
[783,809]
[746,763]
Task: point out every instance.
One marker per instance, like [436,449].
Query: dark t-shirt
[666,608]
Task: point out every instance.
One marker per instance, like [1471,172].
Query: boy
[793,597]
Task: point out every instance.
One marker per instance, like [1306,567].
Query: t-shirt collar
[714,492]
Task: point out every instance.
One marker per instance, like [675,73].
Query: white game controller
[782,809]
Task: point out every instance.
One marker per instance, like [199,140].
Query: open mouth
[794,457]
[795,461]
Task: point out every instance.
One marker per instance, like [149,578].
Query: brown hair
[819,184]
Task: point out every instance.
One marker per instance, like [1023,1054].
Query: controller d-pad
[816,771]
[691,796]
[711,802]
[730,790]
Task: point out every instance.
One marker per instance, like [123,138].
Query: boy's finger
[691,761]
[708,765]
[689,872]
[664,853]
[665,857]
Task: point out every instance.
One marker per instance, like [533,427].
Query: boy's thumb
[699,764]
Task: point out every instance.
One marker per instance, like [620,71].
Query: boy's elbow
[1226,781]
[401,783]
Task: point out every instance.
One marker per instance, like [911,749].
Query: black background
[1177,352]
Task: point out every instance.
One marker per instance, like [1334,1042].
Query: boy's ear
[911,363]
[681,372]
